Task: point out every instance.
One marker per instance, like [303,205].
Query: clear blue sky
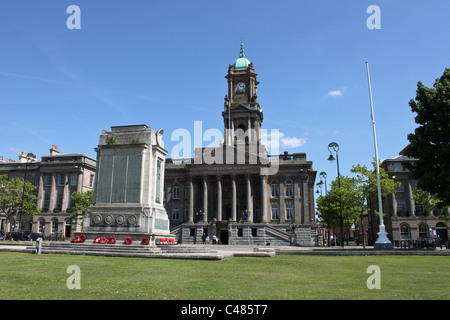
[162,63]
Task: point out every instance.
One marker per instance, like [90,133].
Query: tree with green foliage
[352,196]
[81,203]
[17,197]
[429,202]
[340,207]
[366,185]
[430,142]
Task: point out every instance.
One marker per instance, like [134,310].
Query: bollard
[38,245]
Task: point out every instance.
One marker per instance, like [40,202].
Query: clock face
[240,87]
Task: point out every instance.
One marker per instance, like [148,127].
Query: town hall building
[237,193]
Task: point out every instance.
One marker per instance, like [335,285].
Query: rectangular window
[175,213]
[289,189]
[91,180]
[274,189]
[59,200]
[401,206]
[275,212]
[399,188]
[289,212]
[74,179]
[187,191]
[61,179]
[46,203]
[48,180]
[176,191]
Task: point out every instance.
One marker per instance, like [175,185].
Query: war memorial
[128,190]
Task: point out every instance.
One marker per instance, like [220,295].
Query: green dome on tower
[242,62]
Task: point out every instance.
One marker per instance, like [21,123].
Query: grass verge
[283,277]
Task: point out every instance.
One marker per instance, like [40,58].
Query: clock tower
[242,114]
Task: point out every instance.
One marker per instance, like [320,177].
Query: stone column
[307,216]
[79,182]
[233,197]
[205,199]
[66,193]
[264,199]
[394,205]
[191,201]
[298,208]
[249,198]
[409,194]
[249,131]
[219,198]
[41,191]
[51,205]
[282,203]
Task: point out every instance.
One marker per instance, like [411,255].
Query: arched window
[289,188]
[274,189]
[176,191]
[404,232]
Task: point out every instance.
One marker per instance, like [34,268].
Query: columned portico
[225,196]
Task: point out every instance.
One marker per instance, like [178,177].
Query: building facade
[406,221]
[237,192]
[56,177]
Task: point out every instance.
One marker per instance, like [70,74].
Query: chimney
[54,150]
[23,157]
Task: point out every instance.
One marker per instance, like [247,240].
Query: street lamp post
[323,175]
[382,242]
[333,146]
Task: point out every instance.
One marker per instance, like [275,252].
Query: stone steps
[139,251]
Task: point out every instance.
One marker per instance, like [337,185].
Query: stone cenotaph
[128,188]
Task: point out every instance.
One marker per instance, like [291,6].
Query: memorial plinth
[129,184]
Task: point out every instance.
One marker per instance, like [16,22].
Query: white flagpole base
[383,243]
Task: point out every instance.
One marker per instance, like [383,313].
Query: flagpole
[382,242]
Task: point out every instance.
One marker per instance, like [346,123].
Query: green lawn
[28,276]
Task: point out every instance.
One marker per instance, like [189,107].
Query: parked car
[31,236]
[14,236]
[426,242]
[338,241]
[1,236]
